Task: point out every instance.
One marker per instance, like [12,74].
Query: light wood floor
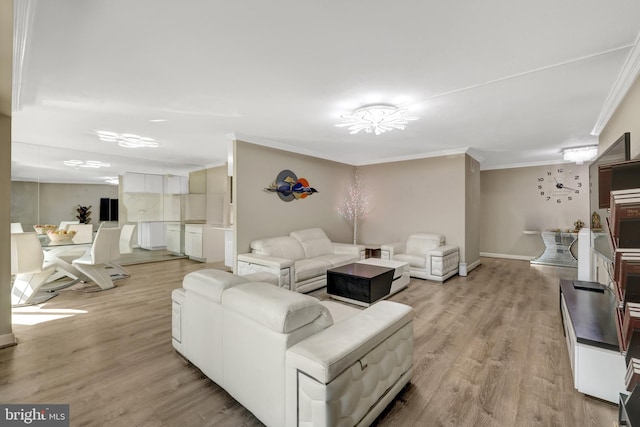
[489,351]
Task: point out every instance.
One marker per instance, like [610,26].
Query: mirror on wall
[49,184]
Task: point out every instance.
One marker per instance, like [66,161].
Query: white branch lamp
[377,119]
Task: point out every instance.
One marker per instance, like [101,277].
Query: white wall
[624,119]
[433,194]
[259,213]
[424,195]
[511,203]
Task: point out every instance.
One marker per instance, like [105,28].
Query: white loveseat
[427,254]
[287,357]
[299,260]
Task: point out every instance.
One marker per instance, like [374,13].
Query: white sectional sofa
[299,260]
[289,358]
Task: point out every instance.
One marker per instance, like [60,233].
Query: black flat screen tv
[619,151]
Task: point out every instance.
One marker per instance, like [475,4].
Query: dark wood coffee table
[360,284]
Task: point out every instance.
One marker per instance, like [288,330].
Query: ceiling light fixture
[88,164]
[127,140]
[113,180]
[580,155]
[377,119]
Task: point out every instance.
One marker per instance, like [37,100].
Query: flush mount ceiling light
[376,119]
[127,140]
[113,180]
[580,154]
[88,164]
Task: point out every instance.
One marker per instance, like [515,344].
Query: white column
[6,51]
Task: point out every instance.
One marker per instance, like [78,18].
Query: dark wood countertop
[592,315]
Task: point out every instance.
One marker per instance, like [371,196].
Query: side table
[371,250]
[557,249]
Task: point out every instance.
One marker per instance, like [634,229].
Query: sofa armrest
[349,372]
[442,262]
[442,250]
[282,268]
[349,249]
[330,352]
[265,260]
[388,250]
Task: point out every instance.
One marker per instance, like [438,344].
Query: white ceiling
[513,82]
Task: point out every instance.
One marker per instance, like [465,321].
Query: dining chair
[126,237]
[16,227]
[117,271]
[84,233]
[30,269]
[65,224]
[104,251]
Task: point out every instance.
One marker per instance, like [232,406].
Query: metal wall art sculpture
[289,187]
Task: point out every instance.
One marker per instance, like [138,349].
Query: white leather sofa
[427,254]
[299,260]
[287,357]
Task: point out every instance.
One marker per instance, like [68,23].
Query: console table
[557,249]
[588,319]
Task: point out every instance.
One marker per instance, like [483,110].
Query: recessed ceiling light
[377,118]
[157,120]
[113,180]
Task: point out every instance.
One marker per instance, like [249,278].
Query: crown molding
[625,79]
[442,153]
[526,165]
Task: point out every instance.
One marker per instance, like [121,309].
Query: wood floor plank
[489,351]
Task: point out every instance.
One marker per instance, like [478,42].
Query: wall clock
[559,185]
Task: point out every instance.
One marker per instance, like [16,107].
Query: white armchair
[427,255]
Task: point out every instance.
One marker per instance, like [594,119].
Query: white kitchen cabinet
[175,238]
[175,184]
[205,243]
[142,183]
[193,239]
[151,235]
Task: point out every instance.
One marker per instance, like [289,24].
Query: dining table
[62,253]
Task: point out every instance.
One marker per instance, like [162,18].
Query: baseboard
[507,256]
[7,340]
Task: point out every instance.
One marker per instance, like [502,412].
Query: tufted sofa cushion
[442,264]
[280,310]
[281,247]
[314,241]
[346,400]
